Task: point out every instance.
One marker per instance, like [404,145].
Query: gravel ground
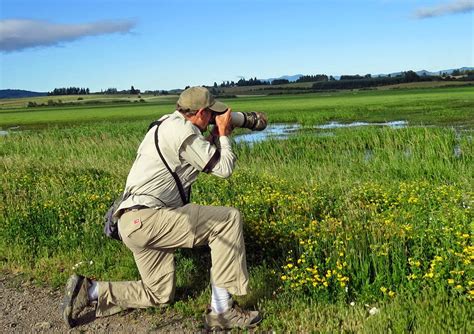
[26,308]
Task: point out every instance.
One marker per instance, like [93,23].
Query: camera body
[253,120]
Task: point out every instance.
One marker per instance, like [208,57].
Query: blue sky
[166,44]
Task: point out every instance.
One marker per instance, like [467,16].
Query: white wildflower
[374,311]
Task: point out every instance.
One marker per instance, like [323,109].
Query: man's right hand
[224,123]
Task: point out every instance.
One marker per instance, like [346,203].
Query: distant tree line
[242,82]
[355,77]
[464,72]
[280,81]
[69,91]
[357,81]
[251,82]
[225,84]
[156,92]
[323,81]
[315,78]
[112,91]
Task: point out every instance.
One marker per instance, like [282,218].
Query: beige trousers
[153,236]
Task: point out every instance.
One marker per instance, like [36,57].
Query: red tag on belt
[137,221]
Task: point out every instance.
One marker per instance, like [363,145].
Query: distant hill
[428,73]
[18,93]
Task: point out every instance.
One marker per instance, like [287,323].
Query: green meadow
[450,106]
[363,229]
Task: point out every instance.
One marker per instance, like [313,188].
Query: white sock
[93,291]
[219,299]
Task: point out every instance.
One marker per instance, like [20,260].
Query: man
[156,219]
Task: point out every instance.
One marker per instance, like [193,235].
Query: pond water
[8,131]
[276,131]
[337,125]
[282,131]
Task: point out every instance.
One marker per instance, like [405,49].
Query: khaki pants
[153,236]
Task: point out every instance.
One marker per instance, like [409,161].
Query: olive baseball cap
[195,98]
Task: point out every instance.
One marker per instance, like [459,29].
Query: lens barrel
[253,120]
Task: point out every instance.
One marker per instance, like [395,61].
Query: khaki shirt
[185,150]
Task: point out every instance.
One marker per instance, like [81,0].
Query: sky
[168,44]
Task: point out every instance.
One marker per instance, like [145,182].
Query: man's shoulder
[177,122]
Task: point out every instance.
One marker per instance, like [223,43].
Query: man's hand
[224,123]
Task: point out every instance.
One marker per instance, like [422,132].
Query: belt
[135,207]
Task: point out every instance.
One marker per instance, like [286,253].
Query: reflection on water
[9,131]
[282,131]
[336,125]
[275,131]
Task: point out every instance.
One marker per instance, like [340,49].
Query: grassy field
[453,106]
[367,230]
[82,100]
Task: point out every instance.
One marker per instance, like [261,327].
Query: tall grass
[365,216]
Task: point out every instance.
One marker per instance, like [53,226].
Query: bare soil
[28,308]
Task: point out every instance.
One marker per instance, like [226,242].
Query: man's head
[195,98]
[199,106]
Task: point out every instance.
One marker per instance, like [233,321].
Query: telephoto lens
[253,120]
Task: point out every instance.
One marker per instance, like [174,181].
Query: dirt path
[26,308]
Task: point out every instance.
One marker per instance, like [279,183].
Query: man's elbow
[224,174]
[227,174]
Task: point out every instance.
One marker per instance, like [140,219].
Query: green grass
[374,216]
[81,100]
[454,106]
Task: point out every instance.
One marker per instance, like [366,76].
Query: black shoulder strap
[152,124]
[184,199]
[212,162]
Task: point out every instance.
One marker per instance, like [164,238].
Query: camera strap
[184,198]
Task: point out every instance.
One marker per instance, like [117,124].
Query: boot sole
[72,289]
[220,329]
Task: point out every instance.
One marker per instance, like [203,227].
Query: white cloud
[16,35]
[454,7]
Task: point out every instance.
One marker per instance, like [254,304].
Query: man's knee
[235,219]
[161,291]
[235,215]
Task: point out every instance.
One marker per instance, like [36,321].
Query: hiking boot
[234,317]
[75,298]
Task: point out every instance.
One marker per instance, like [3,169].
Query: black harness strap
[184,199]
[212,162]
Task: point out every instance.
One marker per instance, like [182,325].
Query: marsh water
[283,131]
